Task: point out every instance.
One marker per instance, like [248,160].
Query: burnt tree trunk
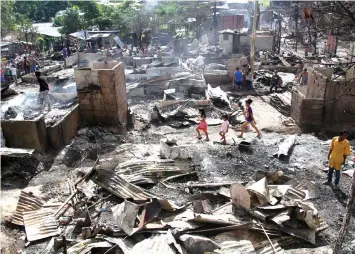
[348,213]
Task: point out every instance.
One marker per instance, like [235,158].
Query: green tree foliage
[39,11]
[70,20]
[7,17]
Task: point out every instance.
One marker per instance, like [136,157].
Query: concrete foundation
[139,61]
[102,94]
[65,129]
[216,78]
[81,57]
[323,104]
[33,134]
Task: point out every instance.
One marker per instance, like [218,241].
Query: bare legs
[199,134]
[244,125]
[223,137]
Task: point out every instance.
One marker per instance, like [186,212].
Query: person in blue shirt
[238,78]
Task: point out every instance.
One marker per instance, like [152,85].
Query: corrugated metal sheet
[270,250]
[154,245]
[236,247]
[40,224]
[27,202]
[145,171]
[123,189]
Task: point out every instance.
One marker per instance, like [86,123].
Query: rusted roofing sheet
[119,187]
[26,202]
[40,224]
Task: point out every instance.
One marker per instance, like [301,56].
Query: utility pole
[215,23]
[348,212]
[252,51]
[296,24]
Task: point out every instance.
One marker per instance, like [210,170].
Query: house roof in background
[47,29]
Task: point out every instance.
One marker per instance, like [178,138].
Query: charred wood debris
[113,211]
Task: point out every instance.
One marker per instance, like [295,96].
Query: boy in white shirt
[224,129]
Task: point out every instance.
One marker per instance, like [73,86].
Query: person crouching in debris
[338,151]
[249,119]
[202,125]
[275,81]
[224,129]
[43,98]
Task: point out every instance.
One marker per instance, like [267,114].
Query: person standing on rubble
[43,98]
[303,77]
[249,79]
[26,65]
[238,78]
[202,125]
[224,129]
[249,119]
[275,81]
[338,151]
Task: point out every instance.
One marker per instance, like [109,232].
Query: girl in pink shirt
[202,125]
[224,129]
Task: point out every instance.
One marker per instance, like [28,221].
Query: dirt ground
[215,163]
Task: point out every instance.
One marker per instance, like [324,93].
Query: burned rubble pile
[113,211]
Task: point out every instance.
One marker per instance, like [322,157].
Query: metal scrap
[148,172]
[119,187]
[153,245]
[27,202]
[198,244]
[40,224]
[285,147]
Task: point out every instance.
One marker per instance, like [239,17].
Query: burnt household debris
[149,144]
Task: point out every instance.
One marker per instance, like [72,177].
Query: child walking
[249,118]
[224,129]
[202,125]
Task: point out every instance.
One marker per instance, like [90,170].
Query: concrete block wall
[233,63]
[102,94]
[312,112]
[31,134]
[65,129]
[316,84]
[296,105]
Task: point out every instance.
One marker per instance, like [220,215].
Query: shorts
[238,84]
[204,129]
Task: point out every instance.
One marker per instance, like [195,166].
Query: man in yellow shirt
[339,150]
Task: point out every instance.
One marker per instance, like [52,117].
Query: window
[225,37]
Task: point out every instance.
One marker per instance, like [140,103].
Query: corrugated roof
[47,29]
[119,187]
[40,224]
[145,171]
[27,202]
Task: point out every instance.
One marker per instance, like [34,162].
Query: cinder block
[85,101]
[98,107]
[86,107]
[110,108]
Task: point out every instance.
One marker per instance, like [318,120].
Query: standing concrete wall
[31,134]
[65,129]
[102,94]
